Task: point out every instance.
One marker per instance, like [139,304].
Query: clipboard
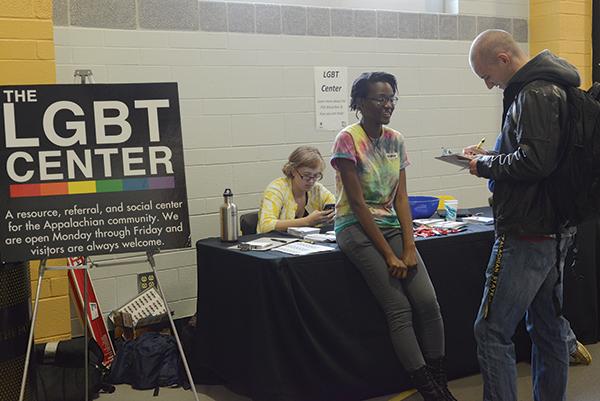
[455,159]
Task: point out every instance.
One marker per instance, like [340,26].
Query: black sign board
[91,169]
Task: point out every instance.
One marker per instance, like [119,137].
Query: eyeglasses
[382,100]
[309,178]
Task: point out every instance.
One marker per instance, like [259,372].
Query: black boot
[438,371]
[426,384]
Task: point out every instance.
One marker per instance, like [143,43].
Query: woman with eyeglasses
[298,199]
[373,226]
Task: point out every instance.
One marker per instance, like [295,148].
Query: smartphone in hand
[329,206]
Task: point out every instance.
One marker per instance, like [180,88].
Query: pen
[480,143]
[279,240]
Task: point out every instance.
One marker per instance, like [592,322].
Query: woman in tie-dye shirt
[374,229]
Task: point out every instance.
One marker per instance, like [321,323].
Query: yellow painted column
[27,57]
[565,28]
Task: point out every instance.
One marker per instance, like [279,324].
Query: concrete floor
[584,385]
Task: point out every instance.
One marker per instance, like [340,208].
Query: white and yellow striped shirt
[278,203]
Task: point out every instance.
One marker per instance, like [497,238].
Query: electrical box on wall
[145,281]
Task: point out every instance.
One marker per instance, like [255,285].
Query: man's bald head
[495,57]
[488,44]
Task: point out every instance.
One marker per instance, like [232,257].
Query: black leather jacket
[530,147]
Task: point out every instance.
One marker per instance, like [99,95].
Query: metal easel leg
[150,256]
[41,271]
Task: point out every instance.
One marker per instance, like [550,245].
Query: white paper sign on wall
[331,98]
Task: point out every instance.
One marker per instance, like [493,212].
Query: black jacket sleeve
[536,128]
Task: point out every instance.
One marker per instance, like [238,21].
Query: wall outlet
[145,281]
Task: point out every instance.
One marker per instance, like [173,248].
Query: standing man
[524,275]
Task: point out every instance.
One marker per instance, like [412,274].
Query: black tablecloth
[277,327]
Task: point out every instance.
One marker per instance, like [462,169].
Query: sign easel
[113,139]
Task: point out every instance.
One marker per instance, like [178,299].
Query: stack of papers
[302,231]
[441,223]
[302,248]
[320,237]
[263,244]
[427,222]
[449,225]
[478,219]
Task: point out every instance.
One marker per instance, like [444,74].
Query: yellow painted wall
[565,28]
[27,57]
[53,321]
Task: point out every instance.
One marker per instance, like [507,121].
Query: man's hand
[473,167]
[473,151]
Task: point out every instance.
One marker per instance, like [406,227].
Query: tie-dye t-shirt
[378,164]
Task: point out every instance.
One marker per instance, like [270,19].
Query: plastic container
[451,207]
[423,207]
[443,199]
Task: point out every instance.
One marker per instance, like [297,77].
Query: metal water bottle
[229,218]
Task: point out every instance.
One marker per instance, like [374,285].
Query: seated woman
[297,200]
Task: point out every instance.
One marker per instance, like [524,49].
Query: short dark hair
[360,87]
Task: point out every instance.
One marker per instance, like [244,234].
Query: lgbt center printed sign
[91,169]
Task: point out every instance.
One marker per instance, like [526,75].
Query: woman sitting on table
[373,226]
[297,200]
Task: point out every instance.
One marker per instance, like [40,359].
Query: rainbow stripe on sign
[90,187]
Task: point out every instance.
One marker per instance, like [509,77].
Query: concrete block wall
[494,8]
[245,75]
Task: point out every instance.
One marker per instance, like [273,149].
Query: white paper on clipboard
[455,159]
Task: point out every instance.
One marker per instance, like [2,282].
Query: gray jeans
[410,305]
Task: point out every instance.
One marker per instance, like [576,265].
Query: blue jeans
[524,278]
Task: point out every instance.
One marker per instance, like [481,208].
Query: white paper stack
[427,222]
[263,244]
[301,232]
[449,225]
[320,237]
[302,248]
[479,219]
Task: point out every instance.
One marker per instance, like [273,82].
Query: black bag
[577,197]
[148,362]
[60,373]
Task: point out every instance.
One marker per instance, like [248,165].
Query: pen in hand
[480,143]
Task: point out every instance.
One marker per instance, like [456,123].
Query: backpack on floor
[60,374]
[150,361]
